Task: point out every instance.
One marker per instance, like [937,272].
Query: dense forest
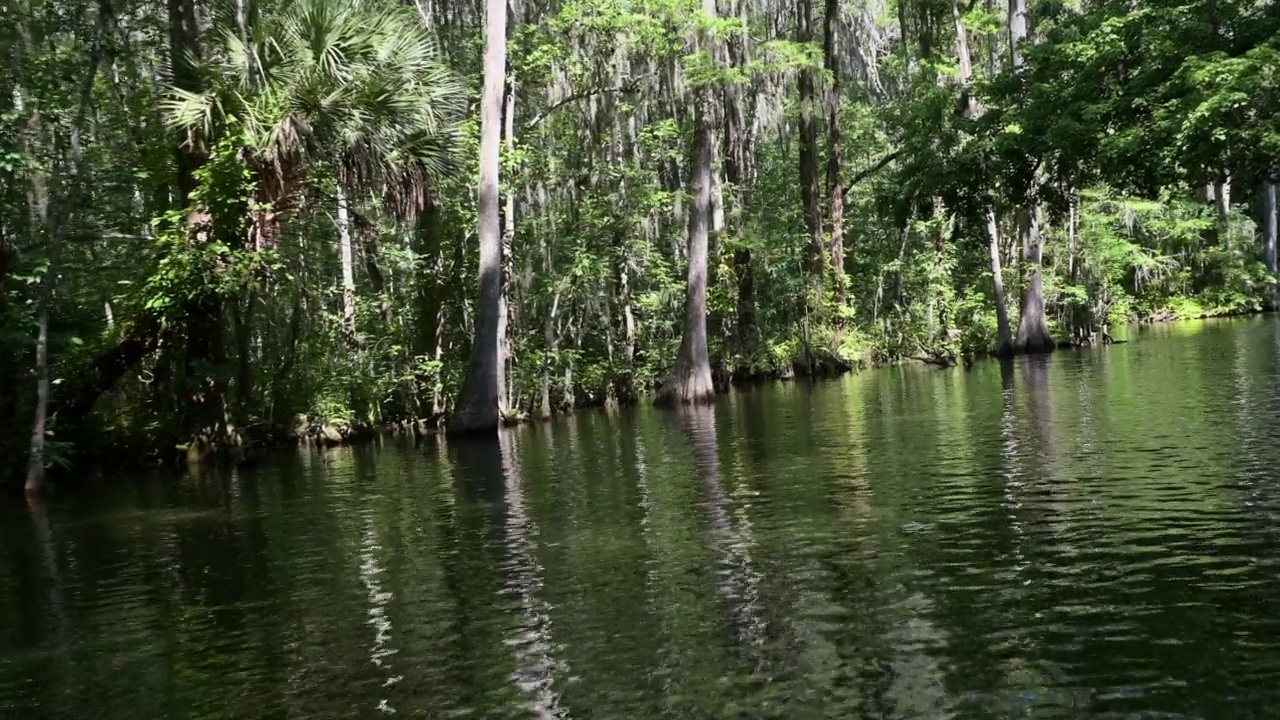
[228,222]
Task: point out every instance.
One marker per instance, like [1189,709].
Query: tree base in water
[692,387]
[1034,346]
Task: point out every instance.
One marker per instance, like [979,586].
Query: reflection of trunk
[690,382]
[835,185]
[477,410]
[1269,240]
[532,647]
[1033,328]
[44,533]
[370,570]
[809,152]
[732,543]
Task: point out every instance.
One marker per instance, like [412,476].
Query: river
[1092,534]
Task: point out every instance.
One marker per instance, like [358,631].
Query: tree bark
[809,189]
[54,226]
[1003,331]
[737,149]
[835,185]
[348,270]
[1005,346]
[1033,328]
[1269,221]
[690,382]
[477,411]
[1017,31]
[508,236]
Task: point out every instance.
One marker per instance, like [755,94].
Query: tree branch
[881,164]
[629,86]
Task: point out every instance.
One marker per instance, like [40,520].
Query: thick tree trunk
[1017,30]
[835,183]
[809,187]
[478,411]
[1033,327]
[690,382]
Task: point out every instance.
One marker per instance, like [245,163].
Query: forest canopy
[227,222]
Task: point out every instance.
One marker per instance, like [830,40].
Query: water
[1091,536]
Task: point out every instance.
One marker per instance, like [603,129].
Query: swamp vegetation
[228,222]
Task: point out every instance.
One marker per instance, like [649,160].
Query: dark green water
[1091,536]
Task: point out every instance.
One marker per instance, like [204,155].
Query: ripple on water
[1088,536]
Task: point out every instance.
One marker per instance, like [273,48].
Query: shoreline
[318,435]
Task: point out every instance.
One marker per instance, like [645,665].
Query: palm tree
[355,88]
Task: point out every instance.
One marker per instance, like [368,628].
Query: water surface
[1092,535]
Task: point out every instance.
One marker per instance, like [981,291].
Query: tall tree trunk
[835,183]
[1003,331]
[348,271]
[736,149]
[809,188]
[1017,31]
[1005,346]
[1269,221]
[477,410]
[508,236]
[690,382]
[1033,327]
[54,224]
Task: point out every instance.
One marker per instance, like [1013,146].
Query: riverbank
[321,433]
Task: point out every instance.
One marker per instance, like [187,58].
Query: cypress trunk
[690,382]
[835,184]
[477,411]
[809,188]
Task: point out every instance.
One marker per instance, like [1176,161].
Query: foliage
[1142,136]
